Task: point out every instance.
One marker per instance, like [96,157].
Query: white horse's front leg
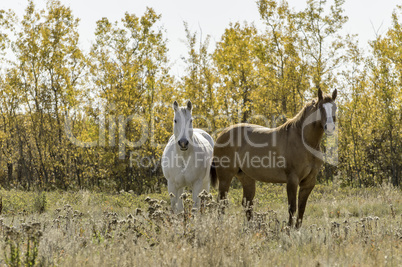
[180,201]
[173,199]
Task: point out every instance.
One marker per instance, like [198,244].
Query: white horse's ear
[175,106]
[319,94]
[334,93]
[189,105]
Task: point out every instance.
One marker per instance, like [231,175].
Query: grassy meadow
[342,227]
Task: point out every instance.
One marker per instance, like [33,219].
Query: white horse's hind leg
[198,186]
[206,182]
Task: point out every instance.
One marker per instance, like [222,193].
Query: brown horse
[287,154]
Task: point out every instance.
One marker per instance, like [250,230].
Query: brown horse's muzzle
[329,128]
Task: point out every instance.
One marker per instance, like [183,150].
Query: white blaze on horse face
[329,125]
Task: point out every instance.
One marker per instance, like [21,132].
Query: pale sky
[366,18]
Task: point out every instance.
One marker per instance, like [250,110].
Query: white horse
[186,160]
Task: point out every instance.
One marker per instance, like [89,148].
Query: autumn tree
[283,71]
[385,83]
[236,62]
[43,81]
[129,69]
[322,45]
[199,83]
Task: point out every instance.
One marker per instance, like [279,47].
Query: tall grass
[342,227]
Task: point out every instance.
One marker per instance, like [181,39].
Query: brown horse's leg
[291,188]
[248,193]
[306,186]
[225,176]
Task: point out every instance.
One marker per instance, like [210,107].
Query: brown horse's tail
[212,174]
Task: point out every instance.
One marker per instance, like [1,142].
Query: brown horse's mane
[297,121]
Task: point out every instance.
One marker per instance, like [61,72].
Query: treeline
[99,120]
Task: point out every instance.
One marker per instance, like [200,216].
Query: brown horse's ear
[319,94]
[175,106]
[189,105]
[334,93]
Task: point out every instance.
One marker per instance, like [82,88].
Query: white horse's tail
[213,175]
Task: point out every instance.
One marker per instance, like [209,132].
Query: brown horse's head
[327,109]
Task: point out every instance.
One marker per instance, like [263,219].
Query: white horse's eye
[175,121]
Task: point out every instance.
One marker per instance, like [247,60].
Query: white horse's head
[183,125]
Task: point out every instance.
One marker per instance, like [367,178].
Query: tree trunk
[10,172]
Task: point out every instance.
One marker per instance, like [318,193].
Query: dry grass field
[342,227]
